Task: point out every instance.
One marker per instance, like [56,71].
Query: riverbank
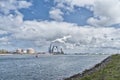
[108,69]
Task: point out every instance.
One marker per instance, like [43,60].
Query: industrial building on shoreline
[53,49]
[27,51]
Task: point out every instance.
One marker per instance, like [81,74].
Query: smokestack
[50,48]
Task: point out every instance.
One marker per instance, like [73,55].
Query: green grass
[110,72]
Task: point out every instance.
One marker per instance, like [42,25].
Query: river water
[45,67]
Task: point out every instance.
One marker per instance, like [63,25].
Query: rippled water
[52,67]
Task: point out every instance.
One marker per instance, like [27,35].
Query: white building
[20,51]
[30,51]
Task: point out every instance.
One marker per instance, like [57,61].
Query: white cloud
[56,14]
[7,5]
[44,32]
[107,13]
[10,22]
[4,41]
[81,2]
[3,32]
[23,4]
[39,34]
[70,4]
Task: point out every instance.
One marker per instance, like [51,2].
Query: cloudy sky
[76,25]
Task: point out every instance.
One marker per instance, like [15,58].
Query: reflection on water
[52,67]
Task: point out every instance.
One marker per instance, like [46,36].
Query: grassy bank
[109,69]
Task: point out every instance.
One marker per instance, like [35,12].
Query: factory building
[30,51]
[19,51]
[55,49]
[22,51]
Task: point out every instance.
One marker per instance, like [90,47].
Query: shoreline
[95,68]
[5,54]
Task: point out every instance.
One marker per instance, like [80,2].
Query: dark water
[54,67]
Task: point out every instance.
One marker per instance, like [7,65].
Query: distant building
[22,51]
[30,51]
[53,49]
[19,51]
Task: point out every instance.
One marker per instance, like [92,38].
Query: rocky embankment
[91,70]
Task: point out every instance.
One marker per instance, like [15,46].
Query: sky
[85,26]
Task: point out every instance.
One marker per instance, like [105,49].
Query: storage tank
[30,51]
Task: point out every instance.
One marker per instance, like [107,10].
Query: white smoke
[62,40]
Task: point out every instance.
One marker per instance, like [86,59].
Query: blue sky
[74,25]
[40,11]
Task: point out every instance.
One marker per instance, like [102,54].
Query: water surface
[45,67]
